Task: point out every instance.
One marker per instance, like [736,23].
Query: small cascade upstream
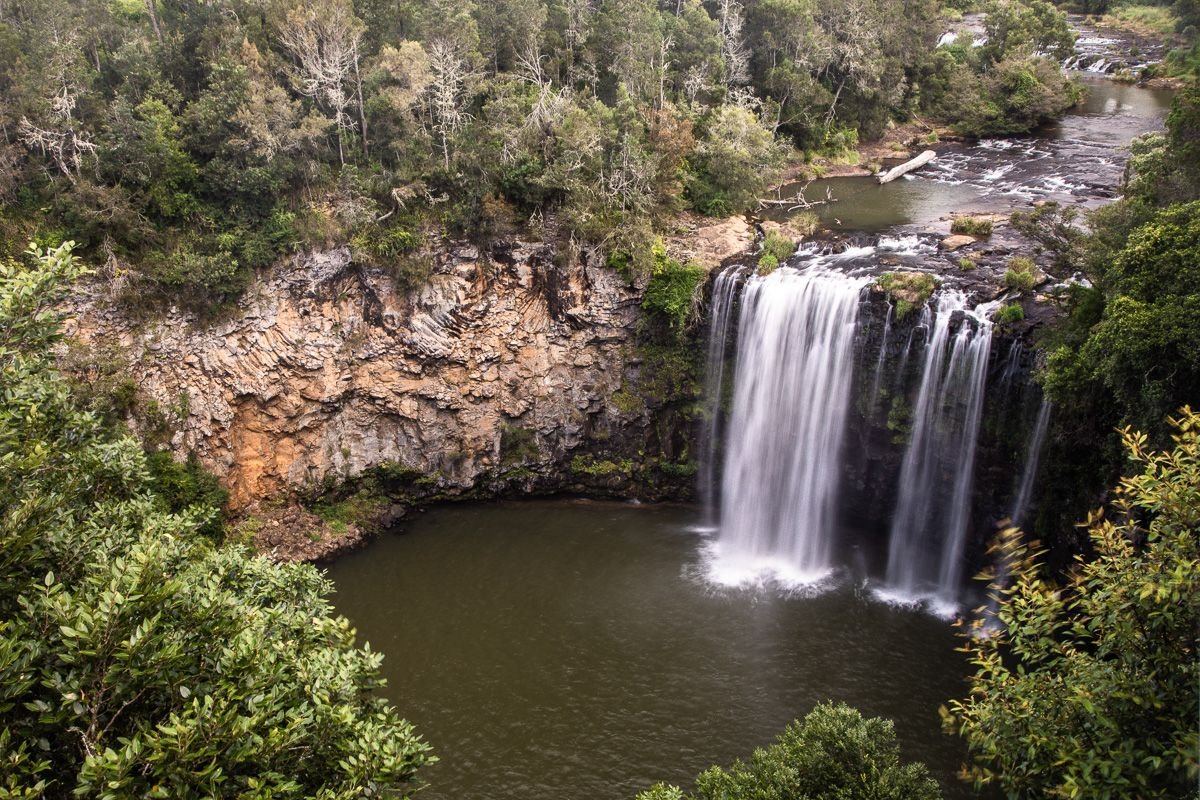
[795,359]
[929,527]
[724,296]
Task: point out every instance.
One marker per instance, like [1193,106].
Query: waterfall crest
[929,527]
[791,397]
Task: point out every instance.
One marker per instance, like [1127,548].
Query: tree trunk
[908,166]
[152,8]
[362,111]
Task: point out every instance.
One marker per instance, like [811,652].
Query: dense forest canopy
[185,144]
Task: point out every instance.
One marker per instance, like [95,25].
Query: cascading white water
[782,455]
[724,294]
[929,527]
[881,359]
[1033,454]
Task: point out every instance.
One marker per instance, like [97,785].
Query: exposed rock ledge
[326,371]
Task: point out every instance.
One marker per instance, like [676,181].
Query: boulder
[956,241]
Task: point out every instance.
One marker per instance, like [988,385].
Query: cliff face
[326,371]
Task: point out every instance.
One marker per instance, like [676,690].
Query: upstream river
[558,650]
[1078,160]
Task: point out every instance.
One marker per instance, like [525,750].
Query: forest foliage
[834,753]
[1089,687]
[187,144]
[136,659]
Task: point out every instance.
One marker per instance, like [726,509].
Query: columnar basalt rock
[325,371]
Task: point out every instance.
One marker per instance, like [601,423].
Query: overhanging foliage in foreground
[1090,689]
[135,659]
[833,754]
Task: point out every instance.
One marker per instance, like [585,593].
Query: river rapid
[1078,160]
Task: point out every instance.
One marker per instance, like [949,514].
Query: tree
[734,161]
[450,71]
[627,36]
[1024,27]
[834,754]
[1090,688]
[324,40]
[135,659]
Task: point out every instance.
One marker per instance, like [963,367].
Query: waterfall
[882,358]
[921,328]
[929,527]
[724,294]
[783,445]
[1012,365]
[1033,454]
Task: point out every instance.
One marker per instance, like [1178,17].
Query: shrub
[777,245]
[1021,281]
[1021,274]
[517,444]
[672,290]
[834,754]
[972,226]
[180,487]
[767,264]
[804,223]
[909,290]
[966,264]
[1009,313]
[135,659]
[1090,688]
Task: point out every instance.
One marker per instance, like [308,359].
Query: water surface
[1079,159]
[553,650]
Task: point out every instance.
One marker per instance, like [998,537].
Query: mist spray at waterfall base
[930,524]
[784,437]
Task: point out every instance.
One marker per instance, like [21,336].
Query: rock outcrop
[326,371]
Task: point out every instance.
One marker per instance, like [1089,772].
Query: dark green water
[555,650]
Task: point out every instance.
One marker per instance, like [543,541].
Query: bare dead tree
[665,43]
[548,109]
[61,139]
[450,73]
[324,42]
[65,147]
[734,52]
[630,177]
[152,10]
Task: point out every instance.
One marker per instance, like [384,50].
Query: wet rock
[956,241]
[298,388]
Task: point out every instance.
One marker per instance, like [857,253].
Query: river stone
[956,241]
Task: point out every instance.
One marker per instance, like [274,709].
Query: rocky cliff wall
[505,361]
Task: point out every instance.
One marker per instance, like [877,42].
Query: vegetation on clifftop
[187,145]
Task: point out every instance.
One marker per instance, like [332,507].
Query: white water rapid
[929,527]
[795,359]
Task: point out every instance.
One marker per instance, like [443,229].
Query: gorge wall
[507,367]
